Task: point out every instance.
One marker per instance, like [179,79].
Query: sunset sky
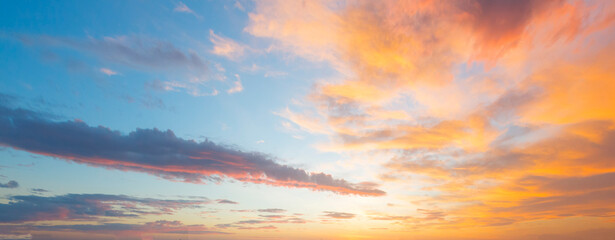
[290,119]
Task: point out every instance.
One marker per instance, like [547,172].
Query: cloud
[160,226]
[375,48]
[239,6]
[10,184]
[140,53]
[264,219]
[107,71]
[272,210]
[39,190]
[339,215]
[116,230]
[498,122]
[87,207]
[157,152]
[15,236]
[181,7]
[425,219]
[563,175]
[225,201]
[193,87]
[132,51]
[226,47]
[237,87]
[274,74]
[494,38]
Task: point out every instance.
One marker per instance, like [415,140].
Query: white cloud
[239,6]
[181,7]
[237,87]
[260,141]
[107,71]
[226,47]
[192,87]
[275,74]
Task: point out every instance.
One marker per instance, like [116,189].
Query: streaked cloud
[508,121]
[181,7]
[272,210]
[226,201]
[339,215]
[160,153]
[226,47]
[239,6]
[112,230]
[132,51]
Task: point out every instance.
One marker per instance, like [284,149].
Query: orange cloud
[502,110]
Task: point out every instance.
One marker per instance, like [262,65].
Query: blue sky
[306,119]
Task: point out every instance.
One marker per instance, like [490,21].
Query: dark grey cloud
[10,184]
[157,152]
[87,206]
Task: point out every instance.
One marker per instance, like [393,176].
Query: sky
[321,119]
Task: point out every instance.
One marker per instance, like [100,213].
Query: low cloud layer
[107,230]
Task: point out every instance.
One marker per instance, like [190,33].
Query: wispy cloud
[272,210]
[189,71]
[226,47]
[339,215]
[237,86]
[116,230]
[107,71]
[507,121]
[195,87]
[239,6]
[265,221]
[132,51]
[181,7]
[87,206]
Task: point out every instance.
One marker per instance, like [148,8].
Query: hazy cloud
[339,215]
[10,184]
